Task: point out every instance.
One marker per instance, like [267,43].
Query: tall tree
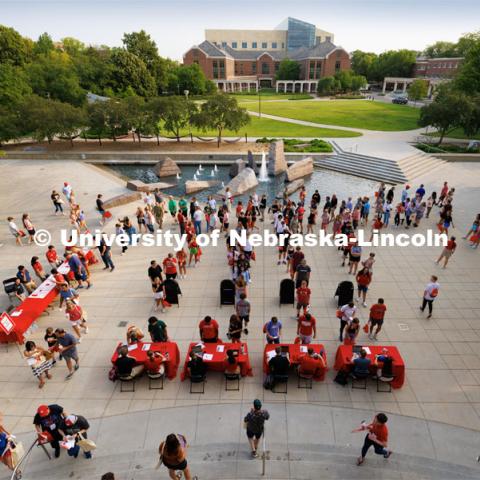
[72,46]
[362,62]
[441,49]
[176,114]
[468,79]
[71,120]
[43,45]
[449,110]
[53,76]
[418,90]
[328,86]
[288,70]
[141,44]
[98,120]
[188,77]
[10,124]
[221,112]
[471,121]
[13,47]
[13,85]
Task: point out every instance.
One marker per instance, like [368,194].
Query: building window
[254,67]
[328,39]
[215,69]
[283,45]
[244,44]
[264,44]
[265,68]
[338,65]
[224,44]
[222,69]
[319,40]
[312,70]
[318,70]
[234,44]
[254,44]
[241,69]
[274,45]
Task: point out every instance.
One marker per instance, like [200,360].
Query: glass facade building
[299,34]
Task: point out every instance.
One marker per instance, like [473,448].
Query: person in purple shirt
[273,330]
[78,270]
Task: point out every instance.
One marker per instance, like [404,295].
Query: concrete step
[361,168]
[233,461]
[389,163]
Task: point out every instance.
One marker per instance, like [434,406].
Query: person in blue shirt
[361,365]
[420,191]
[78,270]
[25,279]
[5,449]
[67,293]
[273,330]
[366,210]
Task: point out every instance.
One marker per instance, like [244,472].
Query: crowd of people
[286,217]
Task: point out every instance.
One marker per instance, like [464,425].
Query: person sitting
[361,365]
[19,290]
[279,364]
[311,363]
[231,363]
[208,330]
[154,363]
[157,330]
[385,370]
[196,367]
[127,367]
[134,334]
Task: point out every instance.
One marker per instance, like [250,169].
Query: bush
[446,148]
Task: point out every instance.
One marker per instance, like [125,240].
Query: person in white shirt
[212,203]
[430,294]
[197,220]
[228,196]
[348,314]
[255,203]
[12,226]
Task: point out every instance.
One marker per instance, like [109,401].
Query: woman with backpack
[173,454]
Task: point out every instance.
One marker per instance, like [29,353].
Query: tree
[188,77]
[362,62]
[130,71]
[117,121]
[94,69]
[14,48]
[357,82]
[141,44]
[53,76]
[98,119]
[10,124]
[221,112]
[441,49]
[417,90]
[71,120]
[471,121]
[13,85]
[468,79]
[449,110]
[288,70]
[176,113]
[393,63]
[73,46]
[328,86]
[43,45]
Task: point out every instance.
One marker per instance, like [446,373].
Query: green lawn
[457,133]
[264,127]
[345,113]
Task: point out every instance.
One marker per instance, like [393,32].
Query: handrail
[264,455]
[25,457]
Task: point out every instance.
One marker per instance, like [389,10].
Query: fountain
[178,176]
[195,176]
[215,168]
[198,172]
[223,184]
[263,175]
[200,168]
[212,173]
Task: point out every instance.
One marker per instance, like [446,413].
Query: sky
[176,25]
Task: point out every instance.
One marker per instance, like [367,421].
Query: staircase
[232,461]
[377,168]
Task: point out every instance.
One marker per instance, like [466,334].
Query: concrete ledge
[458,157]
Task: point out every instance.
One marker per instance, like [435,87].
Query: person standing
[76,316]
[15,231]
[170,266]
[242,308]
[302,273]
[157,330]
[38,361]
[47,421]
[208,328]
[57,202]
[346,315]
[447,252]
[100,208]
[430,294]
[377,437]
[75,426]
[303,298]
[377,316]
[306,328]
[273,330]
[68,350]
[364,278]
[197,220]
[106,254]
[173,454]
[255,425]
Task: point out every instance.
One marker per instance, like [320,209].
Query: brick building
[236,65]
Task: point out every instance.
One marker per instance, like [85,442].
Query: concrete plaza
[439,402]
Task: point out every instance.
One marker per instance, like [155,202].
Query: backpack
[434,292]
[341,378]
[113,374]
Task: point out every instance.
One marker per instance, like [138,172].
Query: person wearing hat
[47,421]
[75,426]
[255,424]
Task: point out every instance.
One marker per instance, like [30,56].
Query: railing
[23,461]
[264,453]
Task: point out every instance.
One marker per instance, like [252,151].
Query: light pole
[259,103]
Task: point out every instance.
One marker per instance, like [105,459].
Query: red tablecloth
[31,308]
[140,355]
[217,363]
[343,361]
[294,353]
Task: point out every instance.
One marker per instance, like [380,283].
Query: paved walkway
[301,440]
[442,354]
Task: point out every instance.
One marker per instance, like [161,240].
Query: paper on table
[146,347]
[303,349]
[220,348]
[367,350]
[132,347]
[16,313]
[207,357]
[270,354]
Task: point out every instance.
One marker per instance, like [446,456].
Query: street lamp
[186,92]
[259,103]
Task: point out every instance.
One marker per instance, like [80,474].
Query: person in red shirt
[52,257]
[208,330]
[154,363]
[447,252]
[239,209]
[364,277]
[76,316]
[303,297]
[231,363]
[170,266]
[377,225]
[297,257]
[38,269]
[377,314]
[300,213]
[181,221]
[311,363]
[377,437]
[58,278]
[182,263]
[306,328]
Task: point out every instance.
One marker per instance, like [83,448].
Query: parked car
[400,100]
